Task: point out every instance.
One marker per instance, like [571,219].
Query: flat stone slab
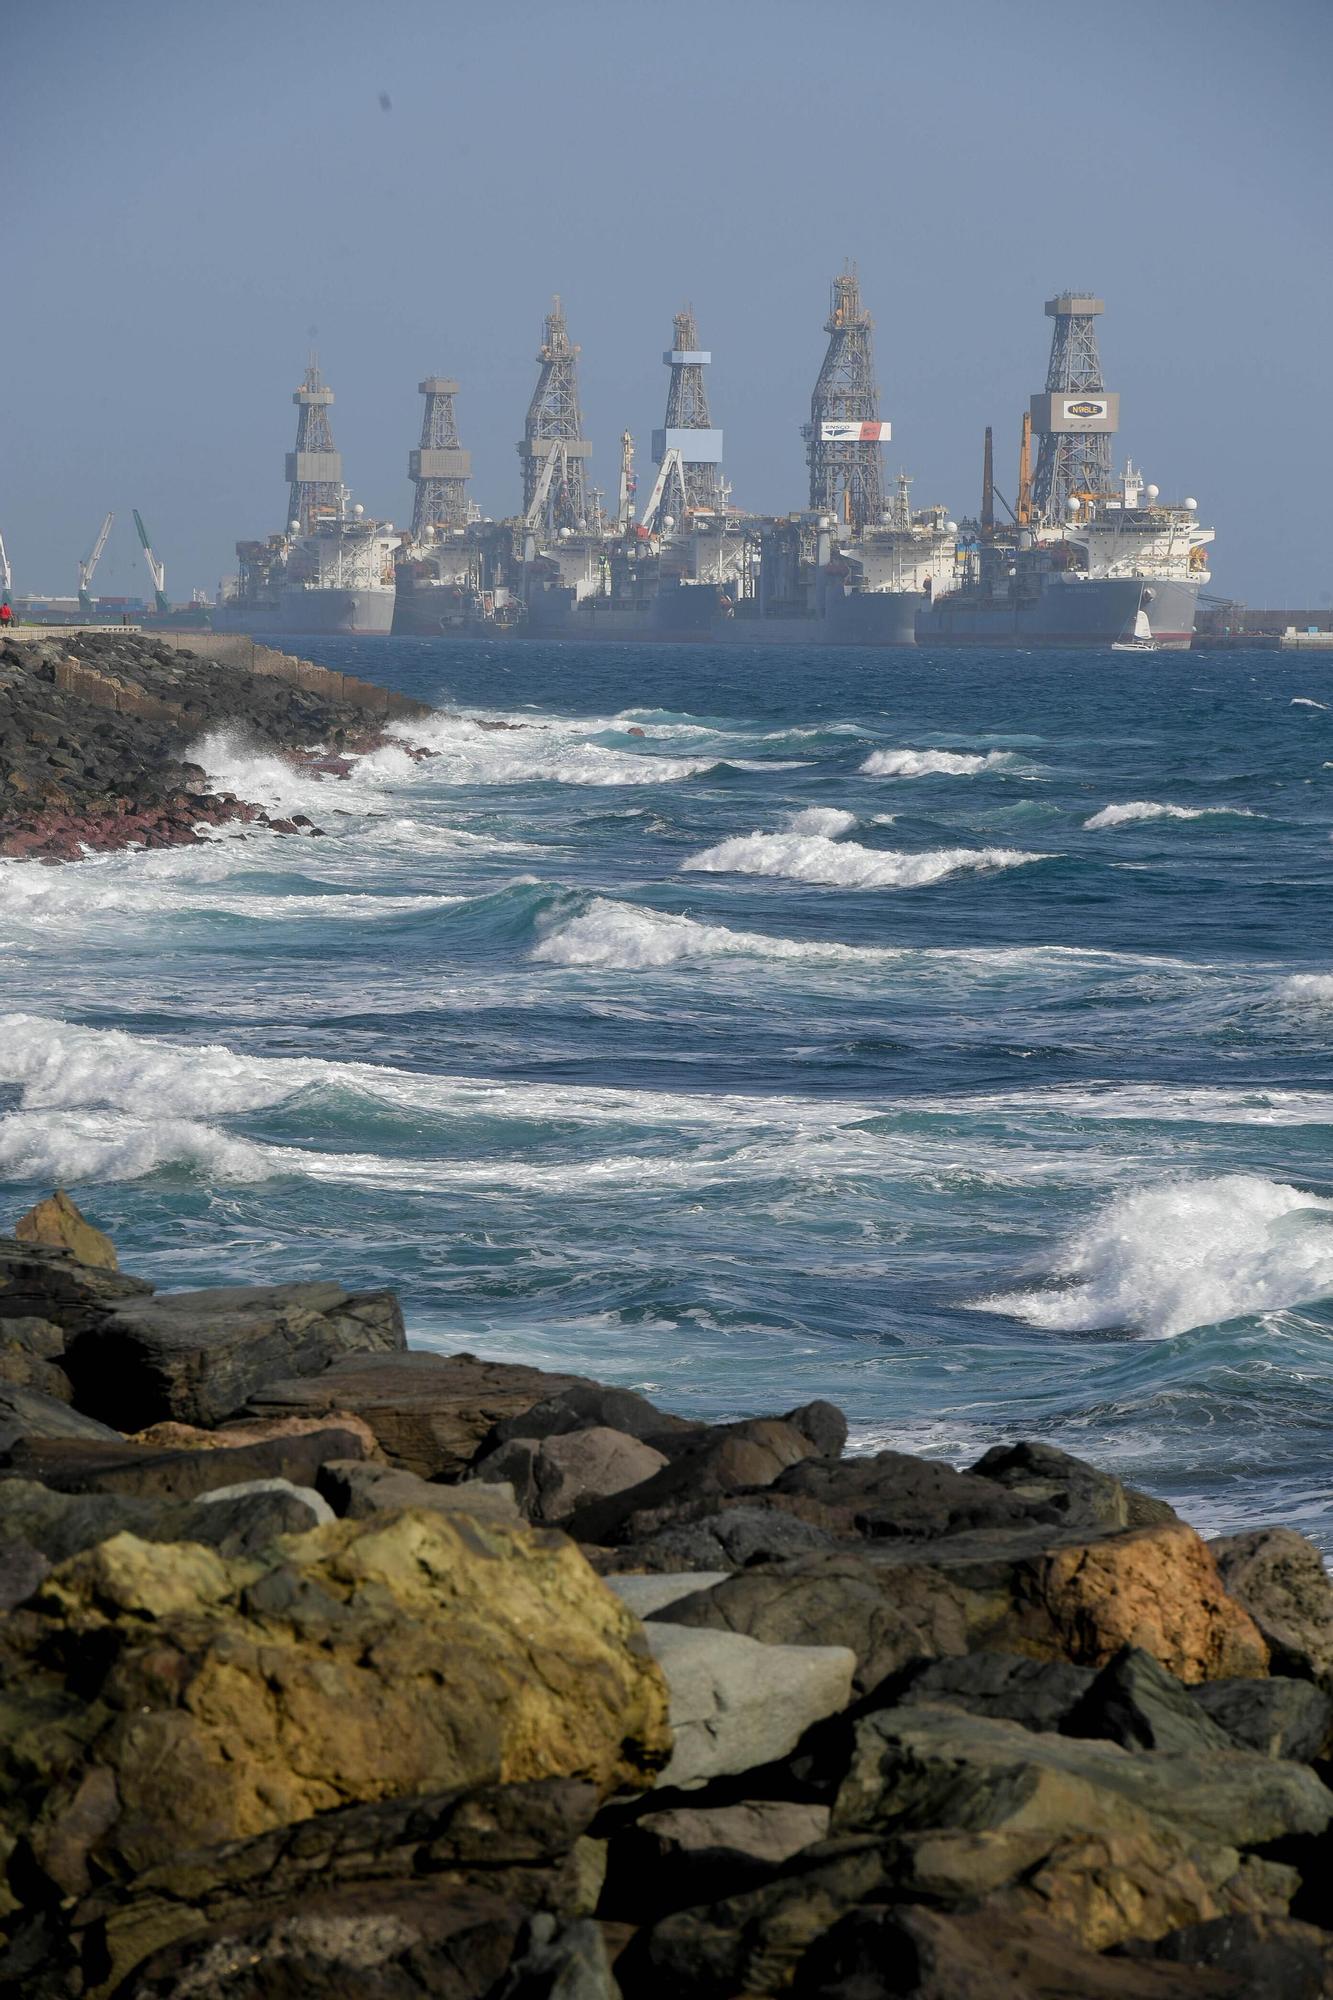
[737,1704]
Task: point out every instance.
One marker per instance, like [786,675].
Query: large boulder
[1058,1487]
[693,1854]
[111,1464]
[194,1357]
[734,1538]
[1280,1717]
[552,1476]
[430,1412]
[236,1520]
[728,1459]
[57,1222]
[736,1704]
[1134,1701]
[43,1281]
[1281,1580]
[28,1414]
[362,1661]
[381,1900]
[30,1351]
[590,1406]
[357,1490]
[1041,1694]
[886,1619]
[922,1767]
[895,1495]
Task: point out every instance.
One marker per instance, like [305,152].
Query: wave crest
[933,763]
[1137,809]
[1184,1254]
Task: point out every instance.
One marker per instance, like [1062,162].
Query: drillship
[333,571]
[854,569]
[1087,559]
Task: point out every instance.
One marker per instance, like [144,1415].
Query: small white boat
[1141,640]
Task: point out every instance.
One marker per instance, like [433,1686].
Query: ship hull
[1093,611]
[699,614]
[361,614]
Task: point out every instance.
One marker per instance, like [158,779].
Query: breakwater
[94,729]
[329,1664]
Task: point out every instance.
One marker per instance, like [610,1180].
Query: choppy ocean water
[945,1035]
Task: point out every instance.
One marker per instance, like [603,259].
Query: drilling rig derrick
[439,468]
[314,469]
[555,425]
[1077,415]
[694,482]
[844,434]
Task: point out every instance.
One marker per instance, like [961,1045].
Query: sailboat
[1141,640]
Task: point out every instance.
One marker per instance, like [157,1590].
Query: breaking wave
[1184,1254]
[1311,989]
[107,1146]
[501,751]
[1136,809]
[809,851]
[933,763]
[628,938]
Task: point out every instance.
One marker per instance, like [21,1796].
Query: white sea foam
[1305,701]
[107,1145]
[1136,809]
[535,750]
[630,938]
[1310,989]
[829,820]
[933,763]
[1183,1254]
[800,856]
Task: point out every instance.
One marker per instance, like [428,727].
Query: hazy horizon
[196,200]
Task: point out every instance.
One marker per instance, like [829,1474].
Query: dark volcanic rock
[1041,1694]
[887,1618]
[1280,1579]
[27,1413]
[553,1476]
[728,1459]
[38,1281]
[357,1490]
[735,1538]
[585,1406]
[1268,1958]
[1282,1718]
[430,1412]
[58,1525]
[1056,1486]
[30,1351]
[1136,1702]
[893,1494]
[196,1356]
[96,1466]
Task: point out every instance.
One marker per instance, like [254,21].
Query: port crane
[157,570]
[6,573]
[89,564]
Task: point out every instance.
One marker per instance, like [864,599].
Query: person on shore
[6,615]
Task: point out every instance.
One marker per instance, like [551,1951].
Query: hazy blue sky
[190,189]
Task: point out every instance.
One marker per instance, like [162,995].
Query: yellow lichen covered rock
[58,1223]
[363,1660]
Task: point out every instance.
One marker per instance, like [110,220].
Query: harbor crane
[6,573]
[89,564]
[157,570]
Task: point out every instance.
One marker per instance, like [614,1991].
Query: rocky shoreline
[334,1667]
[94,729]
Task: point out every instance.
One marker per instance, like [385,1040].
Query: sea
[944,1034]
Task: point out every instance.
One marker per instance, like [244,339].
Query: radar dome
[358,510]
[1071,505]
[1152,491]
[951,527]
[668,522]
[1191,506]
[564,534]
[388,527]
[293,527]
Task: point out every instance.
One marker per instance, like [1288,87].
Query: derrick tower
[1077,415]
[844,434]
[314,469]
[439,468]
[555,425]
[689,428]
